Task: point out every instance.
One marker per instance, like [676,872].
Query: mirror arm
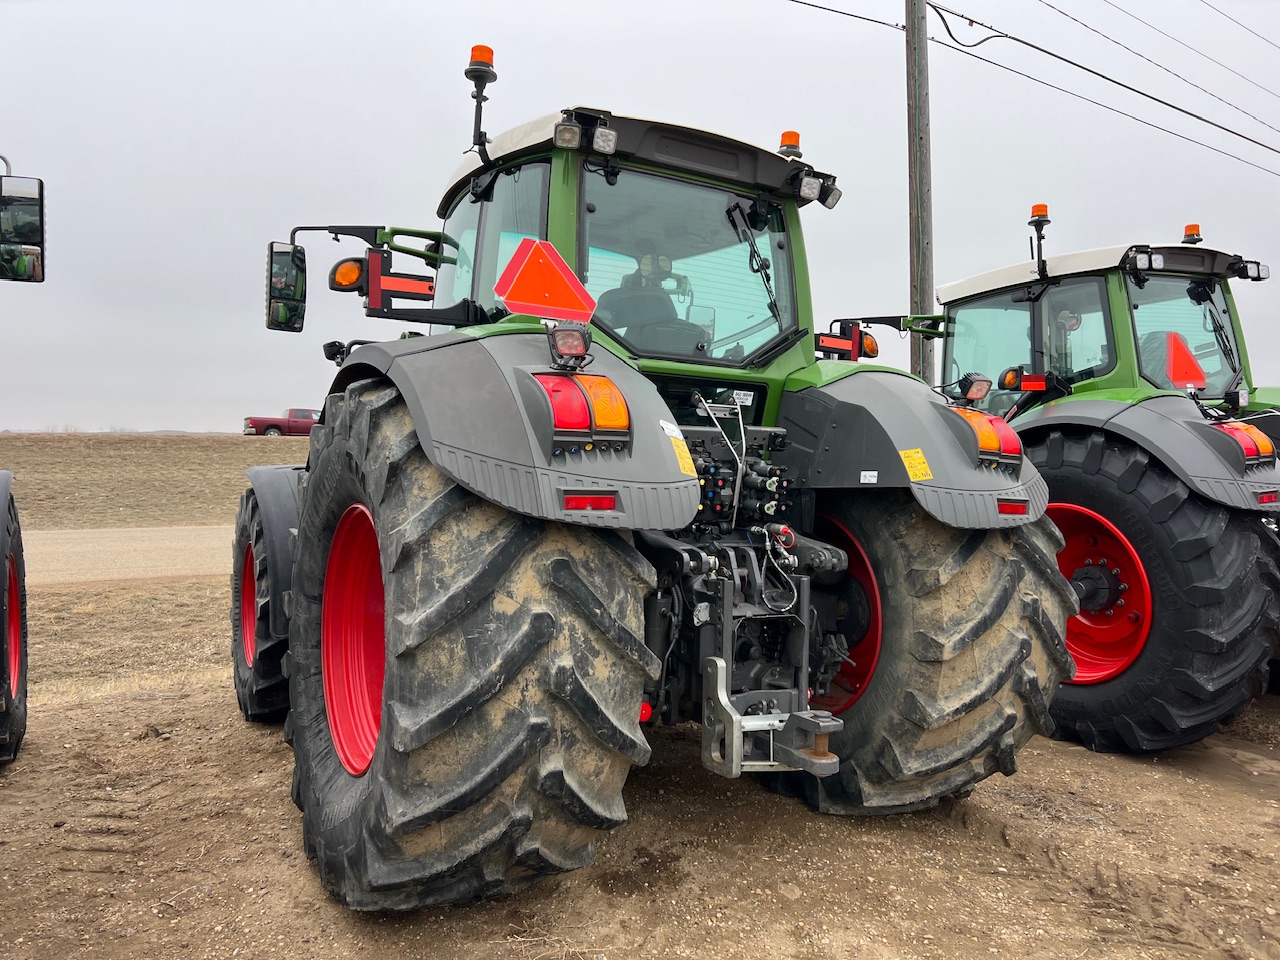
[368,234]
[8,170]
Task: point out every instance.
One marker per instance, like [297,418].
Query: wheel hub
[353,639]
[1107,574]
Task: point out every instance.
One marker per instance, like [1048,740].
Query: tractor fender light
[604,140]
[790,144]
[1191,233]
[608,405]
[996,439]
[568,135]
[870,346]
[569,409]
[974,386]
[569,342]
[591,501]
[1012,508]
[1268,496]
[1255,444]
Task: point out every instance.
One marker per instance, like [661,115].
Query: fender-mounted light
[569,342]
[608,405]
[569,409]
[1257,446]
[996,439]
[974,386]
[591,501]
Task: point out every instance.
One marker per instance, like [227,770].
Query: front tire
[13,635]
[961,659]
[1184,647]
[492,747]
[256,656]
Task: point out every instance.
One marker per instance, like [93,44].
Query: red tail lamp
[591,501]
[996,439]
[569,409]
[1268,496]
[1257,446]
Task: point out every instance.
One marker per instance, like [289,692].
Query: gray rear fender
[276,489]
[854,434]
[6,485]
[483,419]
[1171,429]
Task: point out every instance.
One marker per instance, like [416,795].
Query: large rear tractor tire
[261,688]
[13,635]
[957,648]
[1173,635]
[466,682]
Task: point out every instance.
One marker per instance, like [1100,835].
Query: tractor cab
[1137,319]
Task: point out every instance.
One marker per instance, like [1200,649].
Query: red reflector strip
[1034,382]
[576,501]
[1012,508]
[834,343]
[1268,496]
[400,284]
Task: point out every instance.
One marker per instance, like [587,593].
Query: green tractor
[1125,374]
[621,491]
[21,258]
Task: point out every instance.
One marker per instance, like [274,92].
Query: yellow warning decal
[917,466]
[682,457]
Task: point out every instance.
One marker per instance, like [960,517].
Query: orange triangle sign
[539,283]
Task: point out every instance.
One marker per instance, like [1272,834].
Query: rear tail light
[1012,508]
[607,403]
[1268,496]
[569,410]
[996,439]
[1257,446]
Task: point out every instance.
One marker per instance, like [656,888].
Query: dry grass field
[145,818]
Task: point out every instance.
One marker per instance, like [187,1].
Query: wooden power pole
[920,192]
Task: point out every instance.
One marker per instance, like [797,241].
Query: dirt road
[145,818]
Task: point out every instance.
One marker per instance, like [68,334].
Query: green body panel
[1264,398]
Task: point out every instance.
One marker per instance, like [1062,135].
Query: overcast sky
[177,138]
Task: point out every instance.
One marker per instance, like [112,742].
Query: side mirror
[286,287]
[702,316]
[22,229]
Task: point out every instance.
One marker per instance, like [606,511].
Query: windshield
[686,270]
[1177,312]
[1069,336]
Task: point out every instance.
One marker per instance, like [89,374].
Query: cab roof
[665,144]
[1198,259]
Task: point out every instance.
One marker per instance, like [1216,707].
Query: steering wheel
[670,336]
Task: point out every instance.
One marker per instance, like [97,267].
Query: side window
[989,335]
[1077,336]
[516,211]
[453,278]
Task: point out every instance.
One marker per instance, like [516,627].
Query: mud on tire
[13,634]
[1213,618]
[261,688]
[972,651]
[514,673]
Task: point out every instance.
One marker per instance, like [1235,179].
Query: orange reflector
[595,501]
[1011,379]
[1266,448]
[482,54]
[348,273]
[790,138]
[608,405]
[1040,210]
[1012,508]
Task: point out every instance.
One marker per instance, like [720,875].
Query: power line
[940,10]
[1188,46]
[1071,93]
[1096,103]
[1143,56]
[1238,23]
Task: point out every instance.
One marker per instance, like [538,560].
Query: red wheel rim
[248,606]
[352,639]
[851,681]
[13,613]
[1103,641]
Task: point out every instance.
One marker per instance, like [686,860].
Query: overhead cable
[1143,56]
[1239,24]
[940,10]
[1199,53]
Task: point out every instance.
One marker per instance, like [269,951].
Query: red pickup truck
[296,422]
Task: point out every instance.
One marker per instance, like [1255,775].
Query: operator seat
[647,319]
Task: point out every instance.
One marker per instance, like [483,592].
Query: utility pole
[920,189]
